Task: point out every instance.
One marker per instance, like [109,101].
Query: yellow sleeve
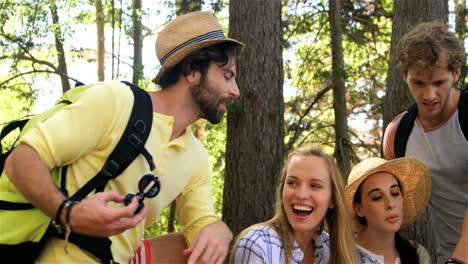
[195,205]
[79,128]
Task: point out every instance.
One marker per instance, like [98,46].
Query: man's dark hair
[199,61]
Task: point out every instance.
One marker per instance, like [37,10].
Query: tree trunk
[342,146]
[461,13]
[117,74]
[137,42]
[62,64]
[187,6]
[407,13]
[113,38]
[100,39]
[460,18]
[255,123]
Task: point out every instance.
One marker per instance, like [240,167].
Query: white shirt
[366,257]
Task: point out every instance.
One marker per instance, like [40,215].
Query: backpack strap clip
[110,170]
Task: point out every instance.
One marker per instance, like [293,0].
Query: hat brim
[184,52]
[415,182]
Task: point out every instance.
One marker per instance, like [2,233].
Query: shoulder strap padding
[463,112]
[404,130]
[129,146]
[5,131]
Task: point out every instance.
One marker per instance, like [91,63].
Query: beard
[208,99]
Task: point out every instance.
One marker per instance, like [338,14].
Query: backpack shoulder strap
[130,145]
[404,130]
[6,130]
[463,112]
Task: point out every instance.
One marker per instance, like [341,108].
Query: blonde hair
[342,249]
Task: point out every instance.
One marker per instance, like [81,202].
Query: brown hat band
[217,34]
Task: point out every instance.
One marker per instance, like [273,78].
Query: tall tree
[137,42]
[62,64]
[461,15]
[255,123]
[186,6]
[407,13]
[100,39]
[342,146]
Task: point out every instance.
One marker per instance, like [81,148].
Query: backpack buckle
[110,169]
[135,141]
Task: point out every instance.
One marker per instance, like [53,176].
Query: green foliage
[309,117]
[12,106]
[160,228]
[215,143]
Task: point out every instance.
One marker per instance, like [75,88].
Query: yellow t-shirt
[83,135]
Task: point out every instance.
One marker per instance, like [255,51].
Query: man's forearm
[32,178]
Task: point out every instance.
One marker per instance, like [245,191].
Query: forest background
[313,72]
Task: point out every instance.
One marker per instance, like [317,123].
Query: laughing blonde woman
[309,195]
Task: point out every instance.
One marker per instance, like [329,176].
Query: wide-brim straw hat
[414,179]
[185,34]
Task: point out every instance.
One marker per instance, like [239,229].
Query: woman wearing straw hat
[309,193]
[382,197]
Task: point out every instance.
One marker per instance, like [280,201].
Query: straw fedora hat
[185,34]
[410,172]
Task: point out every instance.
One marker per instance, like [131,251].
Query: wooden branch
[35,71]
[34,60]
[319,96]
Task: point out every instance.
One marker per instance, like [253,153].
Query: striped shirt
[263,245]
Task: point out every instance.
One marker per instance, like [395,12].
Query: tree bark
[461,14]
[137,42]
[342,146]
[62,64]
[255,123]
[100,39]
[407,13]
[113,38]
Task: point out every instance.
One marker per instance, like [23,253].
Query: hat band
[217,34]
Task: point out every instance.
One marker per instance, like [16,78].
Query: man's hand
[210,245]
[94,217]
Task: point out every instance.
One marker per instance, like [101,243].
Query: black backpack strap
[404,130]
[100,247]
[131,144]
[463,112]
[5,131]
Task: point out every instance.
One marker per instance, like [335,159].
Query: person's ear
[358,209]
[404,75]
[193,77]
[456,74]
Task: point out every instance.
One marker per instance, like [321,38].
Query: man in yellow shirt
[197,80]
